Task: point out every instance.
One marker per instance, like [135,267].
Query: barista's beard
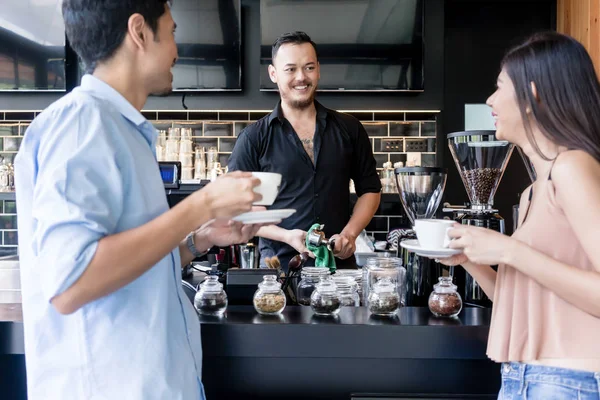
[302,104]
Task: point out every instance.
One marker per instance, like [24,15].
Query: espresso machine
[420,190]
[481,160]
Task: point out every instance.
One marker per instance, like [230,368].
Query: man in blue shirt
[101,253]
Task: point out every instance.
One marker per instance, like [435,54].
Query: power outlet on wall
[416,145]
[392,145]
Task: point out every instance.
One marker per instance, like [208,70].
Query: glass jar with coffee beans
[325,300]
[309,277]
[211,299]
[384,299]
[348,290]
[445,301]
[269,298]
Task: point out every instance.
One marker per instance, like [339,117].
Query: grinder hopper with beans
[481,160]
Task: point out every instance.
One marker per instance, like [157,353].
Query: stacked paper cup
[186,154]
[172,145]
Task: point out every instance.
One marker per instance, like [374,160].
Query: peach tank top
[530,322]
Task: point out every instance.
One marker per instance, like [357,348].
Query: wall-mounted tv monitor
[32,46]
[208,40]
[362,45]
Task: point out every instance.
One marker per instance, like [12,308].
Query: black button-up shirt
[319,193]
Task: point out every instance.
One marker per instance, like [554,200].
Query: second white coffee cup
[268,188]
[433,233]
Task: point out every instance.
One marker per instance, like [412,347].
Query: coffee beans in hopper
[481,182]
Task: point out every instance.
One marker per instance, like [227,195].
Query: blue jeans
[524,381]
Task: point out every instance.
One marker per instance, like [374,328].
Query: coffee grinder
[420,190]
[481,160]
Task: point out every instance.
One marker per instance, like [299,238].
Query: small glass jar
[309,277]
[445,301]
[348,290]
[269,298]
[211,299]
[384,299]
[383,267]
[325,300]
[355,274]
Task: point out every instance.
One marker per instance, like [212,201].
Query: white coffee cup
[268,188]
[433,233]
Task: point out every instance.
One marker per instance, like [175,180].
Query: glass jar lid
[356,274]
[384,285]
[344,282]
[326,285]
[444,285]
[269,284]
[314,272]
[211,285]
[383,262]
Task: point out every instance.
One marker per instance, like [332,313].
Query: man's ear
[136,29]
[272,73]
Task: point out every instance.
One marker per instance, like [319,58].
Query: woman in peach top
[546,313]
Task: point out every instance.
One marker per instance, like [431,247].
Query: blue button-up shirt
[87,169]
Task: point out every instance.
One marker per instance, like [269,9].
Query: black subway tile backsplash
[239,126]
[379,236]
[203,115]
[256,115]
[224,159]
[10,207]
[389,116]
[234,116]
[205,142]
[399,222]
[226,144]
[9,130]
[8,222]
[428,129]
[19,115]
[378,224]
[172,115]
[376,128]
[11,238]
[149,115]
[428,160]
[404,129]
[162,125]
[416,116]
[394,158]
[11,143]
[218,129]
[380,159]
[393,207]
[362,116]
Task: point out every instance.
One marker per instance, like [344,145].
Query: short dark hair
[296,37]
[96,28]
[568,110]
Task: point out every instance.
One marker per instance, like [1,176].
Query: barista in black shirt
[317,151]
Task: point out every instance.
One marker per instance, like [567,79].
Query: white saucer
[264,217]
[413,246]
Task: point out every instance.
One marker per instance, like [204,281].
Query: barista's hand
[297,239]
[224,233]
[228,196]
[344,245]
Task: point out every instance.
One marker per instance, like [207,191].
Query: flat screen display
[208,40]
[32,46]
[362,45]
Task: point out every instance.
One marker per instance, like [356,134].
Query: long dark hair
[568,109]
